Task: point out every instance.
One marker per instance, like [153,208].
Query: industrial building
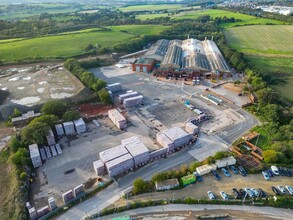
[143,64]
[188,58]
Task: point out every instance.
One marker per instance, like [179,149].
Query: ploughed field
[71,43]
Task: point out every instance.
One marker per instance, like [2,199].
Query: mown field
[245,19]
[150,7]
[261,39]
[144,17]
[280,68]
[72,43]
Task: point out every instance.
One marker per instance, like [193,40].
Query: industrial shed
[167,184]
[143,64]
[173,57]
[158,50]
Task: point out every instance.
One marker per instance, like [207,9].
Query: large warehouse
[187,58]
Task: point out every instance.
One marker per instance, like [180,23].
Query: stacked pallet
[78,190]
[127,95]
[117,118]
[99,167]
[158,153]
[133,101]
[35,155]
[52,203]
[138,150]
[67,196]
[112,153]
[164,141]
[69,128]
[178,136]
[191,128]
[50,138]
[58,148]
[119,165]
[53,150]
[59,129]
[115,87]
[80,126]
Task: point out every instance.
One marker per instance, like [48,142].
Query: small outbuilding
[189,179]
[167,184]
[227,161]
[143,65]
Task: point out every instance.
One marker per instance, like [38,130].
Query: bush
[71,115]
[23,176]
[57,108]
[105,96]
[20,158]
[50,120]
[270,156]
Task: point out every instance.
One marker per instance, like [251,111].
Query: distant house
[167,184]
[24,118]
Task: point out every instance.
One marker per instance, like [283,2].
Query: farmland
[62,45]
[261,39]
[144,17]
[150,7]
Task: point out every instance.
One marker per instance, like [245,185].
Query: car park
[282,189]
[216,175]
[275,170]
[265,175]
[242,171]
[234,170]
[224,195]
[275,190]
[225,172]
[255,192]
[290,189]
[198,177]
[249,192]
[211,195]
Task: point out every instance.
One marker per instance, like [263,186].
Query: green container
[189,179]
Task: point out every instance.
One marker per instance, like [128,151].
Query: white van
[275,170]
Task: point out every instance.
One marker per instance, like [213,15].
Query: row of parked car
[225,171]
[280,190]
[276,171]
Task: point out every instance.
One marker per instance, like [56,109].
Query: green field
[280,68]
[150,7]
[72,43]
[261,39]
[150,16]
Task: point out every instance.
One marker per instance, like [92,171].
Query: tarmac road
[264,212]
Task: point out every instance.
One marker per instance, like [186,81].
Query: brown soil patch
[237,89]
[92,109]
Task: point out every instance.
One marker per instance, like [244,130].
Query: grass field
[150,16]
[263,141]
[72,43]
[261,39]
[279,68]
[150,7]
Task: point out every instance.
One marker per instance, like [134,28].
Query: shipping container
[80,126]
[59,130]
[69,128]
[35,155]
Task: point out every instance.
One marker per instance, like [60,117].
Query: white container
[35,155]
[80,126]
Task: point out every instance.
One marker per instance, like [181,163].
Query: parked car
[255,192]
[265,175]
[211,195]
[282,171]
[242,192]
[242,171]
[249,192]
[275,190]
[198,176]
[290,189]
[275,170]
[224,195]
[226,173]
[216,175]
[289,172]
[261,193]
[282,189]
[234,170]
[270,172]
[236,193]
